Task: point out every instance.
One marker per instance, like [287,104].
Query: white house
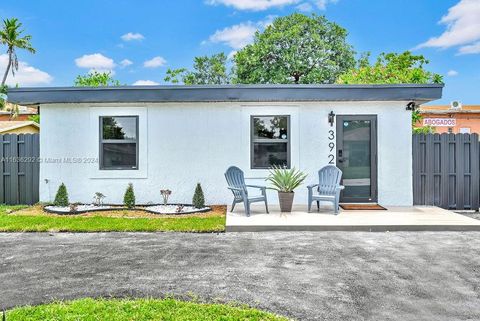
[157,137]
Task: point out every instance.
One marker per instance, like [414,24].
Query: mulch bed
[37,210]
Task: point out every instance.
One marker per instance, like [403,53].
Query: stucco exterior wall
[185,143]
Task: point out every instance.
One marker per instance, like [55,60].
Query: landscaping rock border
[201,210]
[112,207]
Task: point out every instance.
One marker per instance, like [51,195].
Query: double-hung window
[119,142]
[270,141]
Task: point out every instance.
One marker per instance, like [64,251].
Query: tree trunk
[7,70]
[296,78]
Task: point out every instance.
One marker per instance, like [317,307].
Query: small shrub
[198,198]
[129,197]
[61,198]
[98,199]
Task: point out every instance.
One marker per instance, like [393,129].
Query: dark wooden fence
[19,166]
[446,171]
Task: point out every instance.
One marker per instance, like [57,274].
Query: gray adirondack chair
[236,183]
[328,187]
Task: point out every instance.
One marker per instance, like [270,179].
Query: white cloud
[470,49]
[452,73]
[254,5]
[463,27]
[322,4]
[304,7]
[26,74]
[259,5]
[155,62]
[95,61]
[238,36]
[132,36]
[125,62]
[145,83]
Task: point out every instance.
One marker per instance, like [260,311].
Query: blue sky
[138,40]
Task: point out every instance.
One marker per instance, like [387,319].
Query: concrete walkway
[416,218]
[306,276]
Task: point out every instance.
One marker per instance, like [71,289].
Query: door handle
[340,154]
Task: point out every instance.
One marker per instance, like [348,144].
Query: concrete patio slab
[416,218]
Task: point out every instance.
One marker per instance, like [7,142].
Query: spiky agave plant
[284,179]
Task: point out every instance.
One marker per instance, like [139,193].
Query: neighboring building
[24,113]
[18,127]
[101,139]
[448,119]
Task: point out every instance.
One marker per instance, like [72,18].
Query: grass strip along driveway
[139,310]
[34,219]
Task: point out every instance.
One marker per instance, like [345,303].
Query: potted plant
[284,181]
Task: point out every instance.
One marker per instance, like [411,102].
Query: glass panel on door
[355,158]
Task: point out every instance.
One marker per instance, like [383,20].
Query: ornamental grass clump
[285,180]
[61,198]
[165,195]
[129,197]
[198,200]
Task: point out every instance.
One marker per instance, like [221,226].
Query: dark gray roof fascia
[223,93]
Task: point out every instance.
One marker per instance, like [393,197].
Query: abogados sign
[440,122]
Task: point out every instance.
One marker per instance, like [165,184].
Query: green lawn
[33,219]
[138,310]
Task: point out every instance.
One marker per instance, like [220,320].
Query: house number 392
[331,145]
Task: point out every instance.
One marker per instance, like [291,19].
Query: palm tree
[11,36]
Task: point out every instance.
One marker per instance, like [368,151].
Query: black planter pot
[286,201]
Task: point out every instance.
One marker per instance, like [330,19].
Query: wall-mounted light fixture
[411,106]
[331,118]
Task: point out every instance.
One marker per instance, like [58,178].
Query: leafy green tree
[394,68]
[391,68]
[416,119]
[129,197]
[34,118]
[4,91]
[96,79]
[61,198]
[207,70]
[176,76]
[198,200]
[296,49]
[11,36]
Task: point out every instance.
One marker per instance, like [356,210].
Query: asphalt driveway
[306,276]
